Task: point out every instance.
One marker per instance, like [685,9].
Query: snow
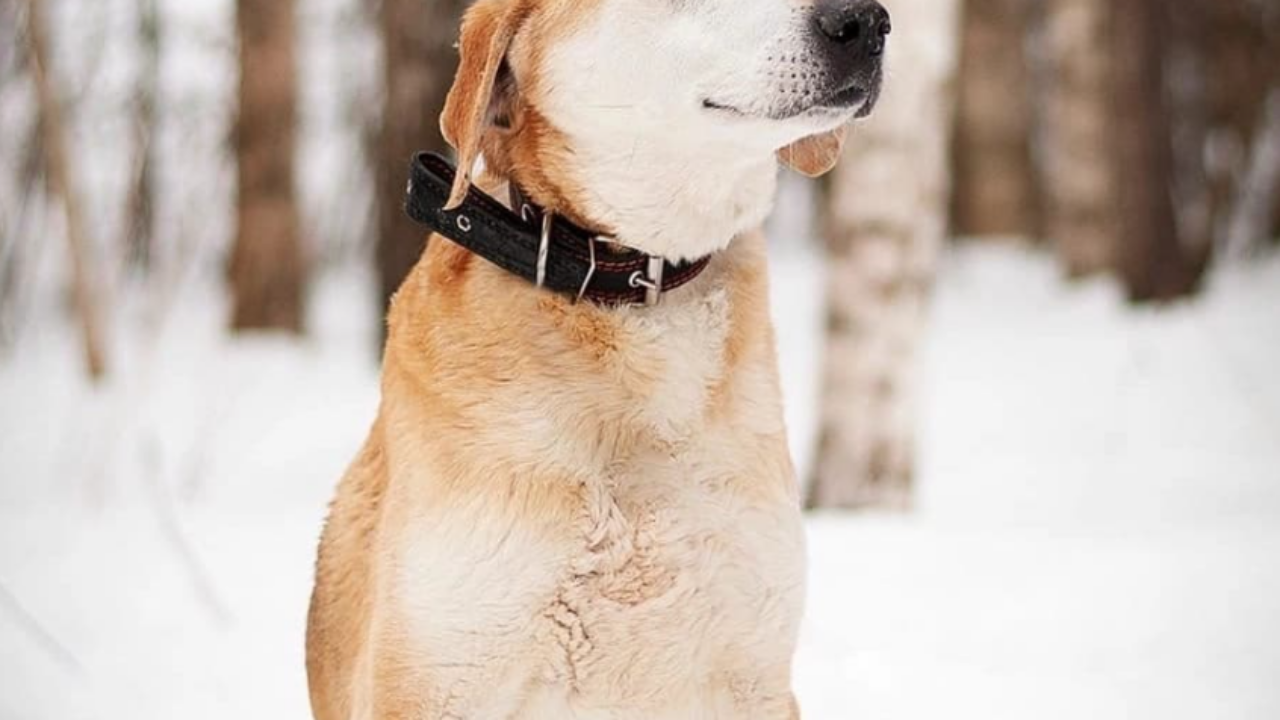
[1097,533]
[1098,524]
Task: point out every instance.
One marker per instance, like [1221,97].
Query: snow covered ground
[1098,533]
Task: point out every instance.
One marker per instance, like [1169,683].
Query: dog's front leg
[757,705]
[407,685]
[786,708]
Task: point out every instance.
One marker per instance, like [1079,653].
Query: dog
[569,509]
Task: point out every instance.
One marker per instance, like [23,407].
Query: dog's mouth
[844,99]
[861,96]
[709,104]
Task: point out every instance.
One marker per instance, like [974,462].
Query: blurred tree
[1077,142]
[1275,216]
[1154,260]
[267,268]
[1252,221]
[418,42]
[139,220]
[11,55]
[1188,88]
[53,131]
[887,209]
[1223,75]
[995,183]
[1240,45]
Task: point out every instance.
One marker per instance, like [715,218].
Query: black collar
[543,249]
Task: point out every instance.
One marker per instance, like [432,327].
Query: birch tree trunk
[1081,213]
[418,41]
[887,219]
[57,162]
[267,270]
[995,184]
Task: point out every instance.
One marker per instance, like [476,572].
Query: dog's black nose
[857,26]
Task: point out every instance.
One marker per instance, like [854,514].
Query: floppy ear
[486,33]
[815,155]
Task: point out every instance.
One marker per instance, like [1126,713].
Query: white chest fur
[668,593]
[664,576]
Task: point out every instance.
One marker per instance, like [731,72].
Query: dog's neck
[675,205]
[678,203]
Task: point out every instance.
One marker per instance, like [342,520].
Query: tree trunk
[1153,262]
[139,216]
[1275,217]
[1228,52]
[1189,86]
[1081,212]
[57,161]
[888,207]
[995,189]
[267,266]
[1242,52]
[418,43]
[1251,222]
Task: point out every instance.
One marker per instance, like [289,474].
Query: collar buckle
[653,283]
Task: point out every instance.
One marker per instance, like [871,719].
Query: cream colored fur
[571,512]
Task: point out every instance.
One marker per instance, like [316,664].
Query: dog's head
[559,89]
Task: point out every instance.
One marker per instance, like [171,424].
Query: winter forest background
[1029,331]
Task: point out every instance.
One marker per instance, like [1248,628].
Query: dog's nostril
[882,30]
[841,28]
[858,26]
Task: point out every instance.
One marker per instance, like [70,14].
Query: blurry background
[1030,332]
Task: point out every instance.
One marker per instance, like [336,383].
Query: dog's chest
[667,580]
[674,579]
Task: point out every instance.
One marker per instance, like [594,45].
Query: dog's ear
[487,31]
[815,155]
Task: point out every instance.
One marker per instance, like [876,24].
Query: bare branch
[37,632]
[175,534]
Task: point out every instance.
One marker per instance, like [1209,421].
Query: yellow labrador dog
[581,505]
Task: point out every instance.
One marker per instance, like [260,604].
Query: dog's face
[695,81]
[758,73]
